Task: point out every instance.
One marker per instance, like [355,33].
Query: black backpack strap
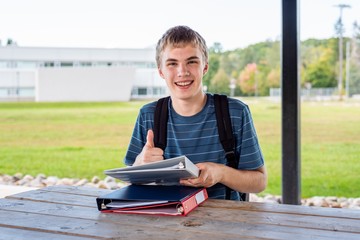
[226,136]
[225,128]
[160,123]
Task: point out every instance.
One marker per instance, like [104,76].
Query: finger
[154,157]
[150,139]
[186,182]
[157,152]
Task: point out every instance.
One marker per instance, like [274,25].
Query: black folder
[152,199]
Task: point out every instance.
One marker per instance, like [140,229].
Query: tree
[229,61]
[266,55]
[220,83]
[321,73]
[319,59]
[319,64]
[247,79]
[214,64]
[273,78]
[354,78]
[216,48]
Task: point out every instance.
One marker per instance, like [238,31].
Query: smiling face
[183,69]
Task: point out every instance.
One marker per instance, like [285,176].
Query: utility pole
[340,32]
[347,70]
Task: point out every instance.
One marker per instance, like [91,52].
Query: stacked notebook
[154,189]
[166,172]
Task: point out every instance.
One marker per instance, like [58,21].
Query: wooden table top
[66,212]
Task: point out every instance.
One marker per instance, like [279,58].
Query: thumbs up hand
[150,139]
[149,153]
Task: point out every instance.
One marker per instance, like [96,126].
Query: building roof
[16,53]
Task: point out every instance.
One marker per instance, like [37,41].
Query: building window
[49,64]
[158,91]
[85,64]
[142,91]
[66,64]
[3,64]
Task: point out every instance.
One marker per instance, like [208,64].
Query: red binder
[153,200]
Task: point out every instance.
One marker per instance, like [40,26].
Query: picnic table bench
[68,212]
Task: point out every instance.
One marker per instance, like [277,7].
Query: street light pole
[341,7]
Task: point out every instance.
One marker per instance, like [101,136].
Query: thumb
[150,139]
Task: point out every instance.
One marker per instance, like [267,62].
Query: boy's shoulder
[234,103]
[237,102]
[148,108]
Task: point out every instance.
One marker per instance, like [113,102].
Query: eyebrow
[188,59]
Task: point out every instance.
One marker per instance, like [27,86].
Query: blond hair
[180,36]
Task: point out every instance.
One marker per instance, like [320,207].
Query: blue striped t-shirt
[197,137]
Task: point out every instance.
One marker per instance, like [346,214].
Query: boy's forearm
[247,181]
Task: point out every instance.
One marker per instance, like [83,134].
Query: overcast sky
[140,23]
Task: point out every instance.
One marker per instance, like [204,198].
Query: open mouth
[184,83]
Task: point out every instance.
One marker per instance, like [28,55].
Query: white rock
[65,181]
[356,202]
[40,176]
[82,182]
[95,179]
[101,184]
[37,183]
[28,177]
[109,179]
[111,185]
[51,181]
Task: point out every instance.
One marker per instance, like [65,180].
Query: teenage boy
[182,61]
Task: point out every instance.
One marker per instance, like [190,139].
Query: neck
[189,107]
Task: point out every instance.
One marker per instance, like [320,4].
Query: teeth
[183,83]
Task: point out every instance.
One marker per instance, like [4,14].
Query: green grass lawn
[80,140]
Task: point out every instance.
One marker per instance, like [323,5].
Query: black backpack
[224,129]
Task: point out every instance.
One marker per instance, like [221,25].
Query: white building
[78,74]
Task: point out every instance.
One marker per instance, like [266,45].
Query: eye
[192,62]
[171,64]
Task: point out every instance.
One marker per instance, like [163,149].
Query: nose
[183,72]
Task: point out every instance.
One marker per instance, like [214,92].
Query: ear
[206,68]
[161,73]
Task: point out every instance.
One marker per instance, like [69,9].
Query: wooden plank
[21,234]
[45,208]
[105,230]
[77,190]
[284,219]
[77,227]
[284,208]
[63,194]
[197,223]
[55,197]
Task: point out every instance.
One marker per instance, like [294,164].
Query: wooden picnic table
[67,212]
